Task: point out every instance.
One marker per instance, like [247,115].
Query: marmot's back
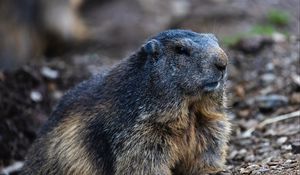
[160,111]
[63,139]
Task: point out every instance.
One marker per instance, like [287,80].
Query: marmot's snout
[218,62]
[220,59]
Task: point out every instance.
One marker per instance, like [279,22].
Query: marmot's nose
[220,60]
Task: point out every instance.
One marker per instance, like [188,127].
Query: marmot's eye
[182,50]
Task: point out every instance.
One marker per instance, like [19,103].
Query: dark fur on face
[160,111]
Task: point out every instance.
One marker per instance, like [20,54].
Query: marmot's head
[187,62]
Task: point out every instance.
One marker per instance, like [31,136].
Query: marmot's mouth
[211,86]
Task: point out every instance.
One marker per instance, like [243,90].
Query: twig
[279,118]
[271,120]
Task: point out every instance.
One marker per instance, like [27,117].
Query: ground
[263,91]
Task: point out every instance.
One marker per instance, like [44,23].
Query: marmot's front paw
[213,161]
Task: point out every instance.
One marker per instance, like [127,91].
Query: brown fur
[67,147]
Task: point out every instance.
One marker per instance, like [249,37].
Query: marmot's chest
[196,137]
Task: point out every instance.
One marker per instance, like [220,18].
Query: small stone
[242,152]
[288,161]
[12,169]
[240,155]
[263,169]
[249,123]
[49,73]
[268,78]
[296,79]
[251,168]
[36,96]
[273,163]
[57,95]
[281,140]
[244,113]
[295,98]
[244,171]
[263,150]
[231,116]
[267,160]
[269,102]
[278,37]
[270,67]
[266,90]
[253,44]
[296,147]
[290,166]
[273,167]
[256,172]
[286,147]
[250,158]
[232,154]
[240,91]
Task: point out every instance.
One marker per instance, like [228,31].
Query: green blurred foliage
[231,40]
[275,18]
[266,30]
[278,17]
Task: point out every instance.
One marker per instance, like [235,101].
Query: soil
[263,97]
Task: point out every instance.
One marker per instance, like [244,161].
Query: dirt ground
[263,89]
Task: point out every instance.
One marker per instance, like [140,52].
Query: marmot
[161,111]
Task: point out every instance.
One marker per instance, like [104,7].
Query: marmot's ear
[152,48]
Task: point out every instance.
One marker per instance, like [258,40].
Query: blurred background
[48,46]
